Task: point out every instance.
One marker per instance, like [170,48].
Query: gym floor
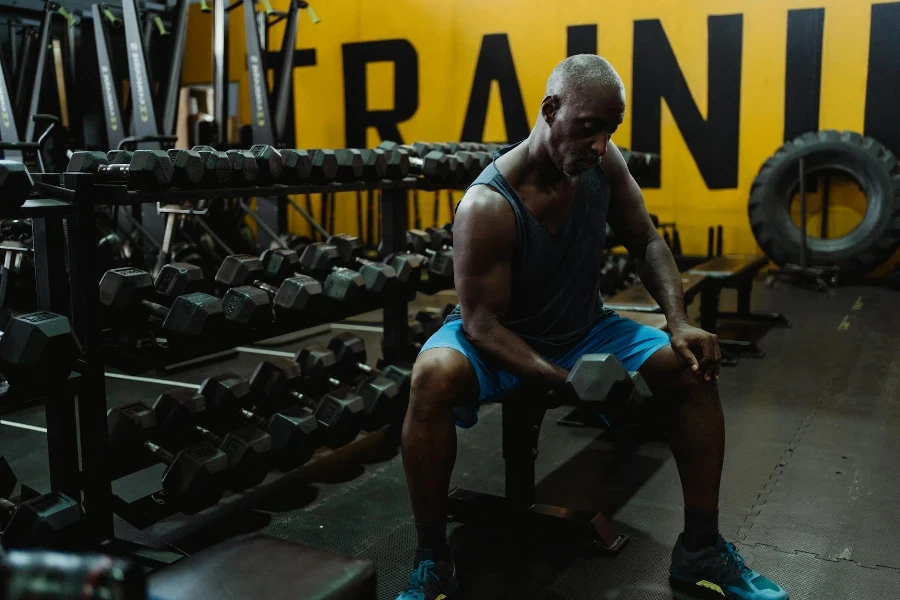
[809,490]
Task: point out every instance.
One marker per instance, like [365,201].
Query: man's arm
[484,239]
[629,219]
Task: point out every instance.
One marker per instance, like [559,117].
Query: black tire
[872,165]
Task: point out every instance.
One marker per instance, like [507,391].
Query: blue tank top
[555,297]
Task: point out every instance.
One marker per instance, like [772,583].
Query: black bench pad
[637,298]
[264,568]
[724,267]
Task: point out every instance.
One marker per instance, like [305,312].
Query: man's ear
[549,106]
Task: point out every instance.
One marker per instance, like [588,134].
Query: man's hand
[686,338]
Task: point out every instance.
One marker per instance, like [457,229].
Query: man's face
[581,126]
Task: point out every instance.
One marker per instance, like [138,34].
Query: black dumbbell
[601,381]
[349,165]
[374,164]
[15,183]
[432,319]
[151,169]
[379,276]
[298,166]
[295,294]
[397,163]
[216,166]
[244,169]
[46,521]
[189,169]
[178,279]
[350,359]
[324,166]
[378,394]
[269,164]
[294,430]
[126,289]
[195,477]
[249,449]
[339,414]
[429,163]
[321,260]
[37,351]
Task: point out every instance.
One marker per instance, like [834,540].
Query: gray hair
[574,73]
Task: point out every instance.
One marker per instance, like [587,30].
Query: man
[528,238]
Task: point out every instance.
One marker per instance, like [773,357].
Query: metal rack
[64,241]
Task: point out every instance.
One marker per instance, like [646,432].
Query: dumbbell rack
[65,236]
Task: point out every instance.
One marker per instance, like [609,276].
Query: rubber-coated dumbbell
[37,351]
[378,394]
[379,276]
[339,414]
[16,185]
[216,166]
[321,260]
[125,290]
[148,168]
[249,449]
[45,521]
[195,477]
[350,360]
[294,430]
[189,168]
[294,294]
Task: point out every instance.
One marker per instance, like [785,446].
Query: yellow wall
[448,35]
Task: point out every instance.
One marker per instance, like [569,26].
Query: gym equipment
[397,163]
[378,275]
[216,166]
[244,169]
[42,521]
[269,164]
[293,430]
[601,380]
[378,394]
[296,294]
[350,359]
[37,350]
[249,450]
[178,278]
[321,260]
[15,183]
[875,169]
[188,168]
[431,164]
[247,306]
[338,413]
[194,478]
[349,165]
[148,169]
[374,164]
[324,166]
[432,320]
[298,165]
[126,289]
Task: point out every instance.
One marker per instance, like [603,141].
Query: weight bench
[523,414]
[637,299]
[259,566]
[735,272]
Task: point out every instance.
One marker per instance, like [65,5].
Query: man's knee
[668,374]
[441,379]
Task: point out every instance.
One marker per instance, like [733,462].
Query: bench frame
[522,416]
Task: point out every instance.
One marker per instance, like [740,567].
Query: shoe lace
[734,557]
[418,578]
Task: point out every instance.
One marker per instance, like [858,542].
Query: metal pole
[285,80]
[395,214]
[220,70]
[39,68]
[169,93]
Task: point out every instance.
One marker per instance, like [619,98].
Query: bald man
[528,238]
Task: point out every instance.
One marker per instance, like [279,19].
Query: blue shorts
[630,342]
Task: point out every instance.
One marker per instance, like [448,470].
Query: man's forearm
[512,354]
[661,277]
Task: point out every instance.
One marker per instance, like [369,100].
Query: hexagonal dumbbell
[296,294]
[15,183]
[148,169]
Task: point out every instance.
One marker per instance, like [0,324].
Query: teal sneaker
[431,581]
[722,570]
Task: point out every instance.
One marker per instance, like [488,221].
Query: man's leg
[692,408]
[442,378]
